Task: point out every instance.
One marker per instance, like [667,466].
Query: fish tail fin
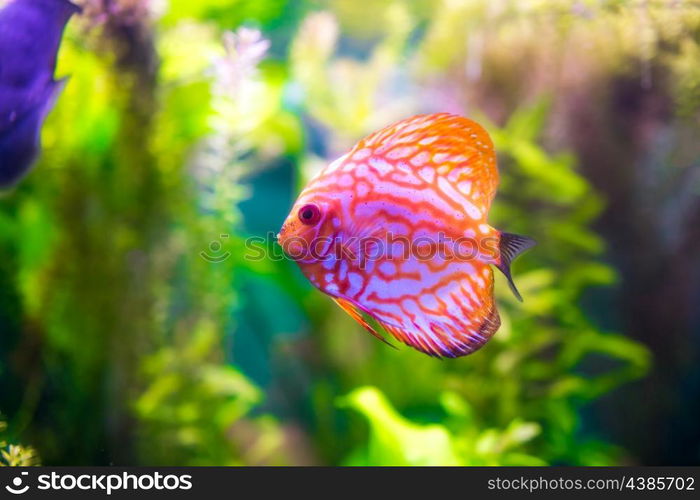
[510,246]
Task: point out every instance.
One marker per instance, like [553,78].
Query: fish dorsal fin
[355,314]
[510,246]
[451,154]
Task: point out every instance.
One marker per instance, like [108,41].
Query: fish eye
[309,214]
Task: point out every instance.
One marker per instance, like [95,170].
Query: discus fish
[30,35]
[396,230]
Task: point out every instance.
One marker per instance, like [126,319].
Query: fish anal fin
[445,342]
[355,314]
[418,341]
[490,325]
[510,246]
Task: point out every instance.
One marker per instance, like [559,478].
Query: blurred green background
[189,126]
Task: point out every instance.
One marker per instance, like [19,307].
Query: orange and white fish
[397,229]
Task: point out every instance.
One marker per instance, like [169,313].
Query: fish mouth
[285,231]
[282,236]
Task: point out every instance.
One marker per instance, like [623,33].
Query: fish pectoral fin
[355,314]
[510,246]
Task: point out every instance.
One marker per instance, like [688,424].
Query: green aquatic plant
[15,455]
[128,314]
[394,440]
